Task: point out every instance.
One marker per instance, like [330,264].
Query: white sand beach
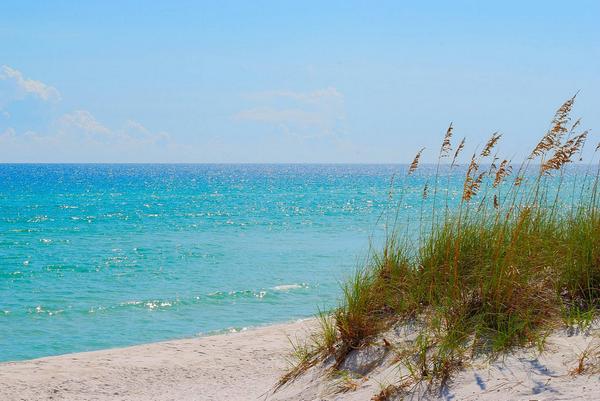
[236,366]
[246,365]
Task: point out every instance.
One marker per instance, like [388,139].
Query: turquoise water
[99,256]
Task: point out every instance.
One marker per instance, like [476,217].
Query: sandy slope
[238,366]
[522,375]
[244,366]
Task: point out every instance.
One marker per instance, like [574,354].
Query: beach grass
[515,256]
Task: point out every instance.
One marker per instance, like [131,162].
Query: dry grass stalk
[415,162]
[575,125]
[588,361]
[472,182]
[503,171]
[490,144]
[544,145]
[345,383]
[493,166]
[554,136]
[461,146]
[564,154]
[388,392]
[477,183]
[446,146]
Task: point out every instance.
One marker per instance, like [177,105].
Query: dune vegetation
[512,258]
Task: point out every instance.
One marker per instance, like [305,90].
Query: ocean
[97,256]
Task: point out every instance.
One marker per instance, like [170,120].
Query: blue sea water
[97,256]
[100,256]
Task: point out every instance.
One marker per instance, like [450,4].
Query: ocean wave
[160,304]
[238,294]
[147,304]
[151,303]
[37,219]
[40,310]
[288,287]
[227,330]
[24,230]
[262,293]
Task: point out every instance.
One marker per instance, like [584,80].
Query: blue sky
[282,81]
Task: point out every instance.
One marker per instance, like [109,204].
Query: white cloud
[326,95]
[313,114]
[78,136]
[82,124]
[26,86]
[7,134]
[136,126]
[84,121]
[276,116]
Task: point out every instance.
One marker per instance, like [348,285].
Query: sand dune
[523,375]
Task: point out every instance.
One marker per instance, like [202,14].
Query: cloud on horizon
[66,136]
[327,95]
[23,87]
[79,132]
[304,115]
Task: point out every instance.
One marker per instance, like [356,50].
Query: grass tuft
[497,266]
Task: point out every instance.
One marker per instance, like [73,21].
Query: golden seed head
[415,163]
[490,144]
[564,154]
[446,146]
[503,171]
[461,145]
[553,137]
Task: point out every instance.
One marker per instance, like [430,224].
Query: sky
[288,82]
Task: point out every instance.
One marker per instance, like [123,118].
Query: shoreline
[246,366]
[199,335]
[235,366]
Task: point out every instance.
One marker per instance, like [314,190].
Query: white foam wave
[287,287]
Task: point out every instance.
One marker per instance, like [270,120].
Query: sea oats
[461,146]
[391,191]
[471,184]
[564,154]
[415,163]
[553,137]
[487,149]
[446,146]
[504,170]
